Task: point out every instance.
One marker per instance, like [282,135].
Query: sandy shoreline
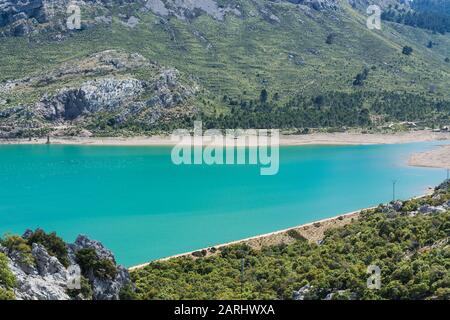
[436,158]
[312,231]
[344,138]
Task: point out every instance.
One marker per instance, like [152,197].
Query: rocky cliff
[101,85]
[45,268]
[19,18]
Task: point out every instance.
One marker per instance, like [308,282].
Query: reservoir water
[143,207]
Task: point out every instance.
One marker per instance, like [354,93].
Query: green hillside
[410,248]
[289,50]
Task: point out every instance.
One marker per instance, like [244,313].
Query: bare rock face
[21,17]
[187,9]
[104,289]
[302,292]
[83,242]
[318,4]
[15,10]
[46,278]
[102,83]
[427,209]
[164,94]
[93,96]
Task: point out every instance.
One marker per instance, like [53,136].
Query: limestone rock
[302,292]
[45,278]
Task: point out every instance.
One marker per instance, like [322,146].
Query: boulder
[46,278]
[397,205]
[83,242]
[104,289]
[46,264]
[93,96]
[427,209]
[302,292]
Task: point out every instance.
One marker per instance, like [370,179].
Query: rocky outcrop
[15,10]
[427,209]
[168,91]
[186,9]
[22,17]
[111,94]
[101,84]
[19,18]
[103,289]
[93,96]
[318,4]
[301,293]
[46,278]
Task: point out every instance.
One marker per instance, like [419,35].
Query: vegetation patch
[7,279]
[410,248]
[55,245]
[90,262]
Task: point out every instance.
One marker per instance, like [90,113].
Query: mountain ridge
[287,48]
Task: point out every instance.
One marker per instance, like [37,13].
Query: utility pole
[242,274]
[393,189]
[448,173]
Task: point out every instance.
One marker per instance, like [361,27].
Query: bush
[7,278]
[17,243]
[127,293]
[407,50]
[89,261]
[411,251]
[198,254]
[295,235]
[85,290]
[105,269]
[55,245]
[7,294]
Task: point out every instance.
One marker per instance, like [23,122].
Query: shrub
[7,278]
[105,269]
[89,261]
[330,38]
[55,245]
[17,243]
[295,235]
[7,294]
[85,290]
[407,50]
[197,254]
[127,293]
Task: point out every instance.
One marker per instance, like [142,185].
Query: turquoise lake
[143,207]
